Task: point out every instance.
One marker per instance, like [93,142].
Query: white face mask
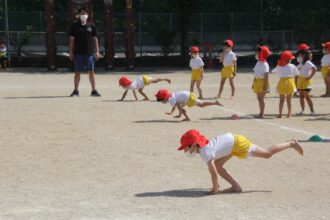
[257,57]
[299,59]
[83,18]
[190,154]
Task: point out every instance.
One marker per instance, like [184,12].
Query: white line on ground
[307,133]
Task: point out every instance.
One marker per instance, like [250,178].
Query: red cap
[124,81]
[303,46]
[263,54]
[194,49]
[286,56]
[327,46]
[163,94]
[229,42]
[192,137]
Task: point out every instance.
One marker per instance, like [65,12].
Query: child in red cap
[197,71]
[260,81]
[181,99]
[217,151]
[139,83]
[301,47]
[307,71]
[325,63]
[228,59]
[286,85]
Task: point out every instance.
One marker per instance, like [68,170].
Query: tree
[129,35]
[108,34]
[185,11]
[50,34]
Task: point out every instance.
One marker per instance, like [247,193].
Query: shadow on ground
[190,193]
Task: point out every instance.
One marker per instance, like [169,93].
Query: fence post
[7,30]
[171,20]
[41,24]
[140,33]
[232,25]
[201,16]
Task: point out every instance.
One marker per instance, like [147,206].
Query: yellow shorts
[325,70]
[241,147]
[286,86]
[192,101]
[258,85]
[146,80]
[196,74]
[304,83]
[227,72]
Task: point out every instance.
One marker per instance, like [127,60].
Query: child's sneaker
[95,93]
[302,113]
[74,93]
[313,113]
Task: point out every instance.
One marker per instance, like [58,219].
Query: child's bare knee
[268,155]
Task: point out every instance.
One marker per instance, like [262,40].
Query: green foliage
[20,40]
[162,34]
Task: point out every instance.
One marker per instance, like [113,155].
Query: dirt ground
[96,158]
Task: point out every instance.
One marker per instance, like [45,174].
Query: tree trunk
[129,35]
[50,34]
[108,34]
[184,19]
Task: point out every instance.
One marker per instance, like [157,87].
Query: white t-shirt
[299,66]
[180,98]
[306,69]
[325,61]
[260,69]
[138,83]
[229,58]
[218,147]
[196,63]
[289,70]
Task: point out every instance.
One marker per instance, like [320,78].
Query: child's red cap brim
[192,137]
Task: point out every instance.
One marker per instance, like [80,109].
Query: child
[3,55]
[286,85]
[228,59]
[260,81]
[197,71]
[217,151]
[325,63]
[304,84]
[139,83]
[181,99]
[300,47]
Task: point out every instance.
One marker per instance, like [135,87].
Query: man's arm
[96,52]
[71,47]
[214,177]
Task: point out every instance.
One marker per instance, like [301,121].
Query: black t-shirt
[83,38]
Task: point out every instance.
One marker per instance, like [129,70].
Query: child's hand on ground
[168,113]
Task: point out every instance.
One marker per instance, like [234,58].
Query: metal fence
[246,29]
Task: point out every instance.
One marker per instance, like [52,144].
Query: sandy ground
[96,158]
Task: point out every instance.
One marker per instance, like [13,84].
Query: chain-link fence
[153,32]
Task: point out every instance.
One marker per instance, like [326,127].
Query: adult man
[83,50]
